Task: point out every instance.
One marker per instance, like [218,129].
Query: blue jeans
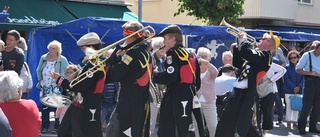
[108,106]
[24,95]
[45,116]
[279,104]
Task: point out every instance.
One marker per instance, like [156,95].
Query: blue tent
[213,37]
[111,31]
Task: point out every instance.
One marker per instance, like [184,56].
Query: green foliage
[211,12]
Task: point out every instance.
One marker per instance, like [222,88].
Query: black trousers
[45,117]
[83,122]
[311,102]
[220,105]
[198,116]
[174,117]
[71,124]
[227,124]
[266,110]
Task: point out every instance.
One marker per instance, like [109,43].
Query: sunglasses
[161,48]
[293,58]
[266,39]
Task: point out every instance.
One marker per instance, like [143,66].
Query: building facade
[286,13]
[162,11]
[258,13]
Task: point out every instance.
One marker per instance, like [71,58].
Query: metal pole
[140,10]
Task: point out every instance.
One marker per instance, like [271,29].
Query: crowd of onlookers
[289,75]
[12,65]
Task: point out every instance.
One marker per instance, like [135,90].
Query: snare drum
[51,96]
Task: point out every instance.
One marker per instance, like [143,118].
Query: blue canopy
[213,37]
[110,31]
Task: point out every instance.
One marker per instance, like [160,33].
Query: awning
[82,10]
[24,15]
[290,29]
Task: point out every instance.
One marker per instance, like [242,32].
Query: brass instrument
[234,31]
[155,93]
[93,57]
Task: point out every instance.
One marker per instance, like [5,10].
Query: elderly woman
[51,61]
[159,58]
[226,59]
[22,44]
[293,83]
[23,115]
[206,93]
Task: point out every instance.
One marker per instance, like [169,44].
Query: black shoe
[302,131]
[314,130]
[279,123]
[44,130]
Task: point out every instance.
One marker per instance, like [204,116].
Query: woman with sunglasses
[292,85]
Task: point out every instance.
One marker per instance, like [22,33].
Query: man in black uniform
[180,76]
[82,118]
[132,67]
[241,109]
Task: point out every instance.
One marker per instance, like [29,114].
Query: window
[308,2]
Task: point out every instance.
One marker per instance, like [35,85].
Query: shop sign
[32,20]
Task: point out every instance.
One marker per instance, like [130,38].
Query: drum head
[56,101]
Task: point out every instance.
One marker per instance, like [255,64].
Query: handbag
[296,102]
[196,103]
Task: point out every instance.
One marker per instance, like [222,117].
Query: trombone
[234,31]
[93,57]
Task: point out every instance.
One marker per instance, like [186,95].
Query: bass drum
[51,96]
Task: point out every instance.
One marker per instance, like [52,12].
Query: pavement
[277,131]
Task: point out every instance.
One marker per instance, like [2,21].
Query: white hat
[90,38]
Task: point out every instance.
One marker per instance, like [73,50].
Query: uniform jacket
[133,70]
[254,65]
[179,72]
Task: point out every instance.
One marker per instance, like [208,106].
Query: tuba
[155,93]
[234,31]
[93,57]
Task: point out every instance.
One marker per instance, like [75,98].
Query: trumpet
[93,57]
[234,31]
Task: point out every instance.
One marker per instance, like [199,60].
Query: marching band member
[238,115]
[182,71]
[82,118]
[72,72]
[133,69]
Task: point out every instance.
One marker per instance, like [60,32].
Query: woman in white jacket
[25,75]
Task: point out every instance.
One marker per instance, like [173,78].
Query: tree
[211,12]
